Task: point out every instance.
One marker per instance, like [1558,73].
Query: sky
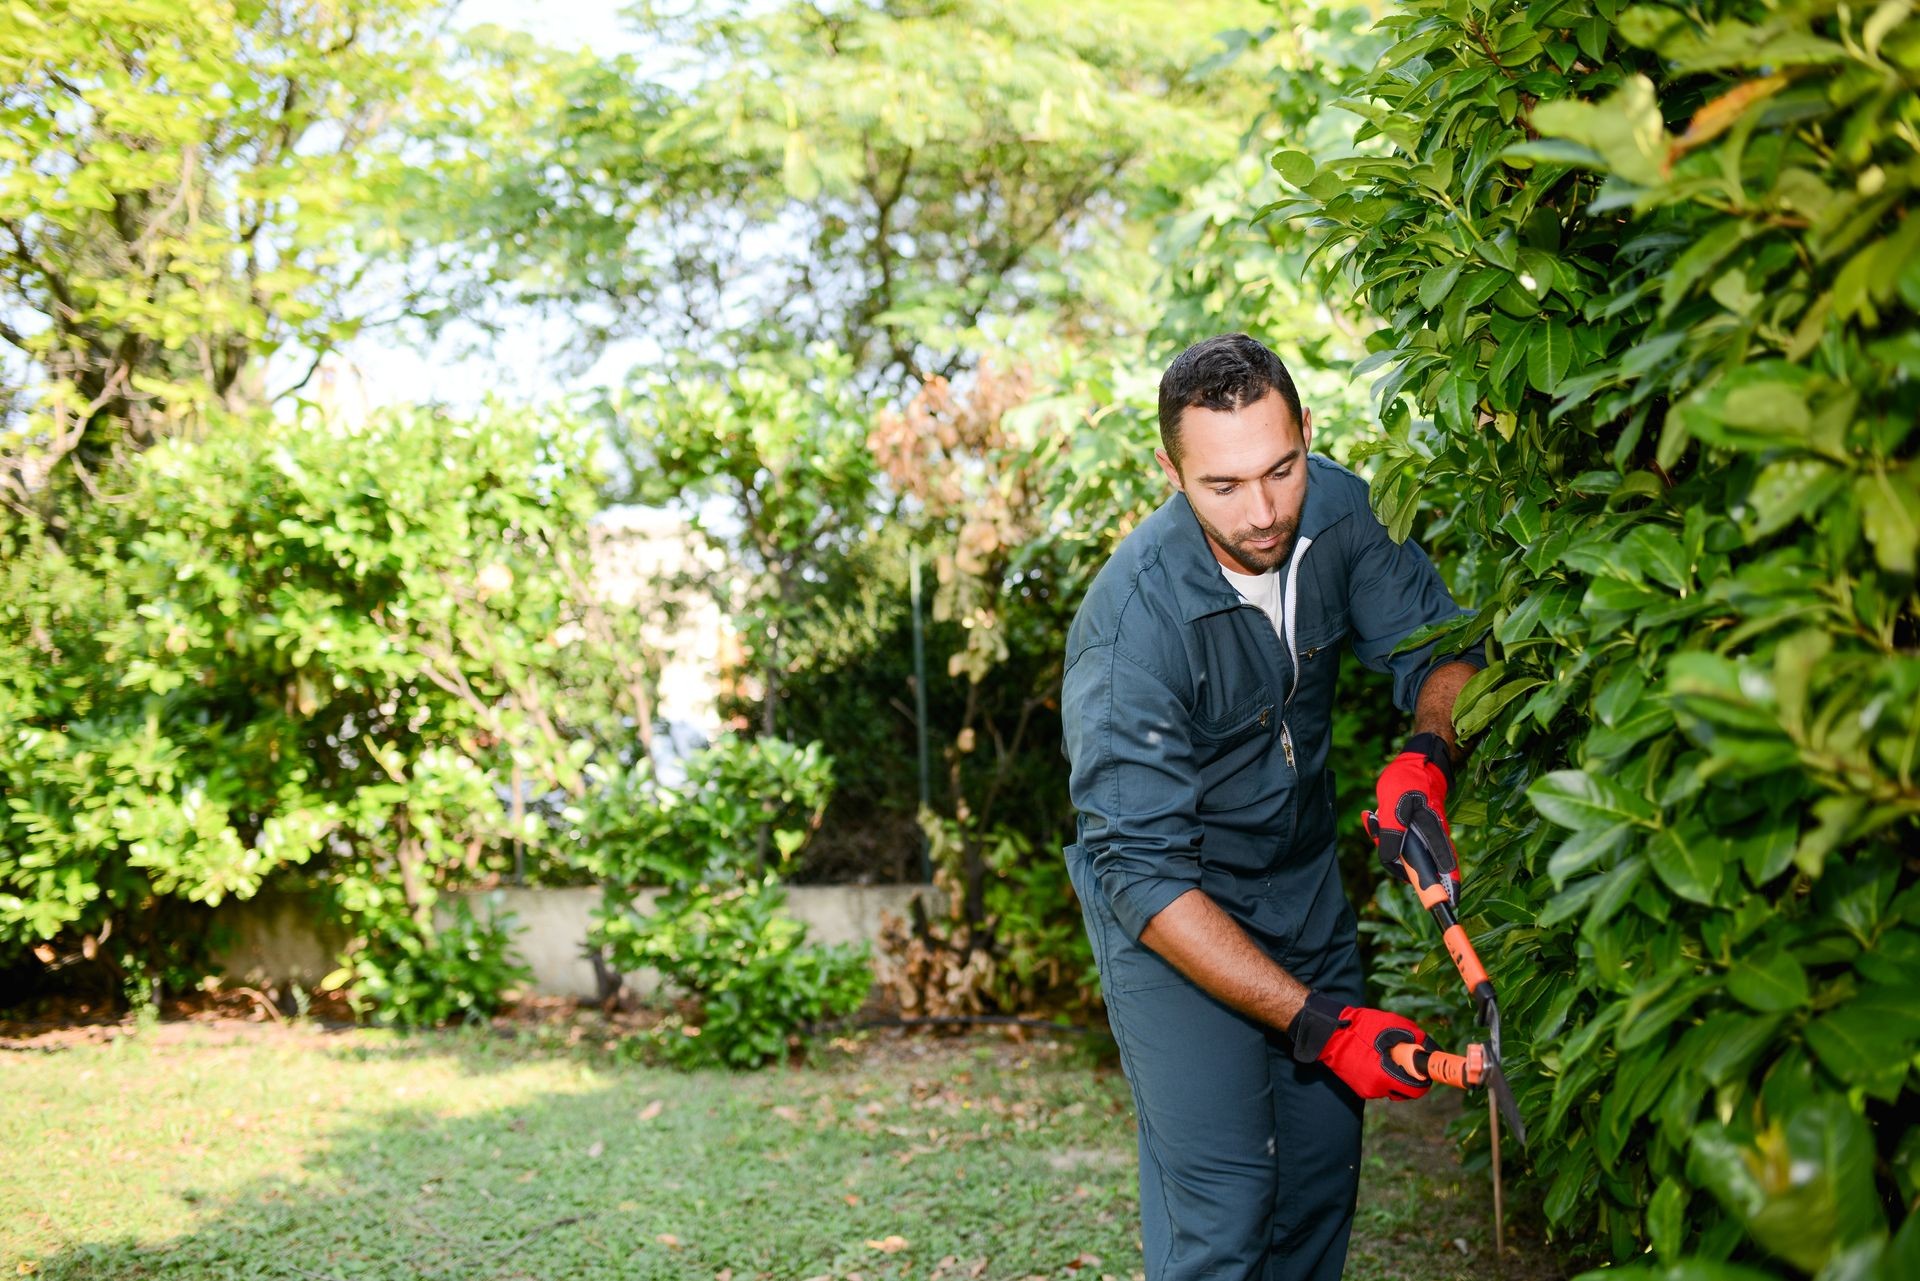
[387,371]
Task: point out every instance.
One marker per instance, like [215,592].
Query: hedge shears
[1412,855]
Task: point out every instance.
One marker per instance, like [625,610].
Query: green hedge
[295,648]
[1648,283]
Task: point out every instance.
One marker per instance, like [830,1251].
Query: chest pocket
[1319,644]
[1232,752]
[1310,710]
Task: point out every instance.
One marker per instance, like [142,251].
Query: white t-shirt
[1262,591]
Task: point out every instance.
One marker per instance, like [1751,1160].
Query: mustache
[1250,534]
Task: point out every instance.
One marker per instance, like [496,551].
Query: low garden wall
[276,938]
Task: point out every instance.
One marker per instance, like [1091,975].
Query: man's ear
[1306,431]
[1166,465]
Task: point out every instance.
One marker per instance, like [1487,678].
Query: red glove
[1423,770]
[1357,1043]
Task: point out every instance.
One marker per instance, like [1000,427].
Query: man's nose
[1264,509]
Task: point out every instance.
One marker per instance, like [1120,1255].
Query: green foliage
[178,191]
[410,975]
[1047,959]
[936,172]
[1647,342]
[755,986]
[747,984]
[769,461]
[296,644]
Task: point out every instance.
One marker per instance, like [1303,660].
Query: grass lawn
[228,1150]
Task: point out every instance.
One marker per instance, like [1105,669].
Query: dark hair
[1227,372]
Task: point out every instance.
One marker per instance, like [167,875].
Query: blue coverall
[1197,739]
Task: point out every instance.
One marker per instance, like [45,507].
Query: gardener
[1197,705]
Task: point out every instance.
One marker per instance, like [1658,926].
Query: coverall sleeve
[1135,782]
[1393,591]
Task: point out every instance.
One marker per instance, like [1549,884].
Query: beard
[1251,559]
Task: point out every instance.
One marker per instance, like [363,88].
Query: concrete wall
[277,939]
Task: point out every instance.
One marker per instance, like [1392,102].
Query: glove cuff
[1434,748]
[1314,1026]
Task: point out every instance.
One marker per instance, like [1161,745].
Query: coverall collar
[1194,570]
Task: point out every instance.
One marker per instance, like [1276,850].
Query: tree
[177,187]
[888,179]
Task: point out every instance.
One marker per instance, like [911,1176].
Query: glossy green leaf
[1549,355]
[1576,799]
[1690,860]
[1770,981]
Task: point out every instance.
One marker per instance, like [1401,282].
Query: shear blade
[1497,1085]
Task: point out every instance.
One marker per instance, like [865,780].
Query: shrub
[1647,285]
[744,983]
[415,974]
[304,646]
[750,986]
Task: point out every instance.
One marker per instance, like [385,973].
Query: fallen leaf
[851,1199]
[597,1148]
[979,1266]
[1083,1260]
[724,1274]
[669,1240]
[652,1110]
[890,1245]
[787,1113]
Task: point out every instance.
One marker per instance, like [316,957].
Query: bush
[750,986]
[292,647]
[1647,288]
[422,975]
[744,983]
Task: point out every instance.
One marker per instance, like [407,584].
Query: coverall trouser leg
[1249,1161]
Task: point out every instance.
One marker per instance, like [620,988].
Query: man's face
[1245,473]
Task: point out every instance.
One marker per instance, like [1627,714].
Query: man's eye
[1223,490]
[1283,473]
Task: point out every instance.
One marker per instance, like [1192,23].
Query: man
[1197,704]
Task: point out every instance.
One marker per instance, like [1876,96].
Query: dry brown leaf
[1719,115]
[594,1152]
[669,1240]
[652,1110]
[724,1274]
[851,1199]
[889,1245]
